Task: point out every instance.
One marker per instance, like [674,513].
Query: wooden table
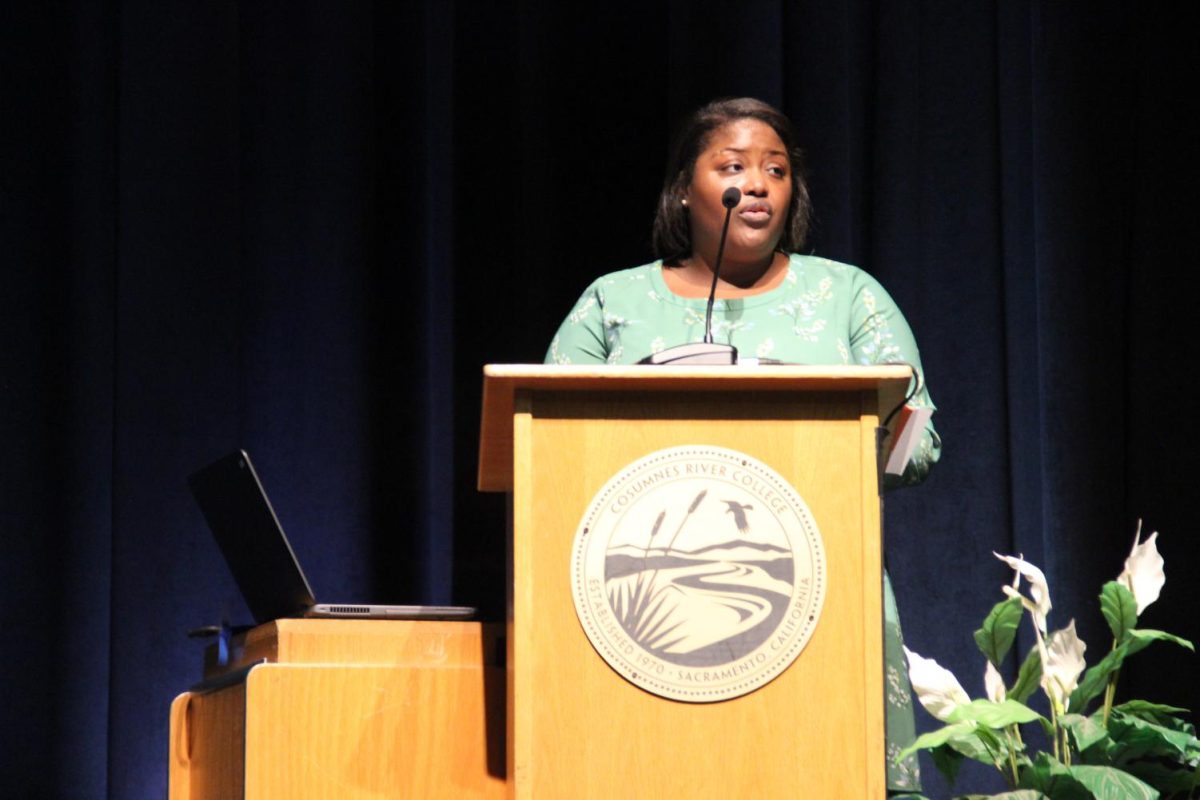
[345,709]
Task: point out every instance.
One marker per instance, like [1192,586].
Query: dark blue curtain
[301,228]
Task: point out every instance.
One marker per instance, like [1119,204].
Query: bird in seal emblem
[739,514]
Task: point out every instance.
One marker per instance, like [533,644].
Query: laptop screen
[255,547]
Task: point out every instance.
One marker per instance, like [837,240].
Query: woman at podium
[772,305]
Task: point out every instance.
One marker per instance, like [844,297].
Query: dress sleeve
[879,334]
[580,338]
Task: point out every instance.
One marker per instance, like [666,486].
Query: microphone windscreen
[731,197]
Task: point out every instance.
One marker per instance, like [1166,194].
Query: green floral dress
[824,312]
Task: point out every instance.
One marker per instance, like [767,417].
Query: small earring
[683,202]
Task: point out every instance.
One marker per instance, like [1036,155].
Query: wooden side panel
[206,749]
[179,785]
[345,732]
[874,725]
[580,730]
[523,593]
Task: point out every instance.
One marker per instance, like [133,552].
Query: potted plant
[1094,747]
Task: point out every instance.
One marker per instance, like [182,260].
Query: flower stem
[1110,691]
[997,762]
[1012,754]
[1054,722]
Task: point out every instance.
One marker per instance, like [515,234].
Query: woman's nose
[755,183]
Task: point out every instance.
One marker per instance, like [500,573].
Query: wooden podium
[553,437]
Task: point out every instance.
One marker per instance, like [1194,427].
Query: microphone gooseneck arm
[730,199]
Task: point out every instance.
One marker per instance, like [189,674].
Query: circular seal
[698,573]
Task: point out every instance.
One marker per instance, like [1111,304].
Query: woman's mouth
[756,214]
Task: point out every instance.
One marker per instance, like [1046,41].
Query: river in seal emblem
[698,573]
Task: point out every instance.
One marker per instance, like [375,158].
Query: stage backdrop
[302,228]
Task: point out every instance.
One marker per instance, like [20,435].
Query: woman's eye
[778,172]
[732,168]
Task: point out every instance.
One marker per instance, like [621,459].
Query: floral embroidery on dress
[614,322]
[627,277]
[878,347]
[692,317]
[721,327]
[804,307]
[613,326]
[555,356]
[811,332]
[581,311]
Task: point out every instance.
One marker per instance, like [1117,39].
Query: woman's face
[748,154]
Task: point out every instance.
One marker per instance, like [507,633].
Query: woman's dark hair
[672,235]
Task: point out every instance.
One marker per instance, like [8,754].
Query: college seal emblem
[698,573]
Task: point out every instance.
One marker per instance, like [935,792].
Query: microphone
[706,352]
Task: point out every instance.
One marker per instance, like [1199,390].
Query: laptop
[262,561]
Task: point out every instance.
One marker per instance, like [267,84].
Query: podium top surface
[501,382]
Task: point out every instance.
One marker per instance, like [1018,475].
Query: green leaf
[1119,609]
[999,630]
[1139,638]
[1052,779]
[1158,714]
[928,741]
[1166,779]
[948,762]
[983,746]
[1110,783]
[1084,730]
[1140,707]
[994,715]
[1137,738]
[991,738]
[1103,752]
[1028,679]
[1096,678]
[1019,794]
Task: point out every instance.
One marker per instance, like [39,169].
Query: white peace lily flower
[937,689]
[1062,664]
[994,684]
[1039,606]
[1143,573]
